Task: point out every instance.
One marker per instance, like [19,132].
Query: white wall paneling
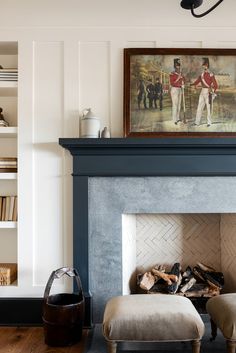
[65,66]
[94,80]
[47,126]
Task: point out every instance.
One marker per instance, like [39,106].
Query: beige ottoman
[222,310]
[151,318]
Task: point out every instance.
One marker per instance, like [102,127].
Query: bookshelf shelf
[8,225]
[7,132]
[8,176]
[8,84]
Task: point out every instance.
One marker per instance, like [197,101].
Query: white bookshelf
[9,148]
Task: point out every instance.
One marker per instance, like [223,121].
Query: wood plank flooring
[31,340]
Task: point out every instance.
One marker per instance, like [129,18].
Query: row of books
[8,208]
[8,75]
[8,164]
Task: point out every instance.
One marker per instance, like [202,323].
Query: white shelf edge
[8,224]
[8,84]
[8,131]
[8,176]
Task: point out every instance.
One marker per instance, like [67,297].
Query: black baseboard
[21,311]
[28,312]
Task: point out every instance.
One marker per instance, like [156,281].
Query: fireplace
[113,178]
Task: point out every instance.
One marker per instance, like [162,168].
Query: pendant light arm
[206,12]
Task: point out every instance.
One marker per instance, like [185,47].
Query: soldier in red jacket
[207,94]
[177,81]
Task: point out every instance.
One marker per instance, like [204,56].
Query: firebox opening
[150,240]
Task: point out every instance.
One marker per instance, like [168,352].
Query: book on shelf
[8,164]
[8,69]
[3,208]
[8,207]
[11,208]
[14,215]
[7,78]
[8,273]
[8,159]
[8,170]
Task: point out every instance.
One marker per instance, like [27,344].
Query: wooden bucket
[63,314]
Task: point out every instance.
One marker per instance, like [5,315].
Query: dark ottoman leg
[231,345]
[111,346]
[196,344]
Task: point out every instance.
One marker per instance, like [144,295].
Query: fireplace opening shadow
[97,343]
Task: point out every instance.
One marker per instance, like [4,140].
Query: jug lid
[89,113]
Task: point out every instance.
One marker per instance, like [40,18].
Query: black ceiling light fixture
[193,4]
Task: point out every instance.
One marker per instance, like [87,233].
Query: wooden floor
[31,340]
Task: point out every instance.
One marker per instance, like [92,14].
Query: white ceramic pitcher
[90,124]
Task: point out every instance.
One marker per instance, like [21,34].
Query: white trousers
[203,100]
[176,96]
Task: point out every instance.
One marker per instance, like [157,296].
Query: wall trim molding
[21,311]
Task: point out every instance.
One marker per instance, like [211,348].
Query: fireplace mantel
[136,157]
[152,157]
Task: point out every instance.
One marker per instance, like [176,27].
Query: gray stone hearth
[110,198]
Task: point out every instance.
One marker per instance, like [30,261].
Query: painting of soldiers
[208,92]
[177,81]
[150,93]
[158,93]
[179,92]
[141,94]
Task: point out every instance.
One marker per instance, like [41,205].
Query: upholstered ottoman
[222,310]
[151,318]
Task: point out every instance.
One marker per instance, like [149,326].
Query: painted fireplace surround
[112,177]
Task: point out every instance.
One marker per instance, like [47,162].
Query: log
[175,270]
[160,268]
[187,273]
[205,267]
[158,288]
[198,273]
[214,279]
[169,278]
[147,281]
[201,290]
[188,285]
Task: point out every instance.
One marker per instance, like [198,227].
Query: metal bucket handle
[70,272]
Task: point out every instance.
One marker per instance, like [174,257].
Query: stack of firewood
[199,281]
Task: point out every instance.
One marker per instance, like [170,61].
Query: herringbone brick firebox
[151,239]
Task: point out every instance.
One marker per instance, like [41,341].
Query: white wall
[130,13]
[70,58]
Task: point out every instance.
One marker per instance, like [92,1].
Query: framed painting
[179,92]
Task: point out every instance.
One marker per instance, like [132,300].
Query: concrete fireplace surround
[115,177]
